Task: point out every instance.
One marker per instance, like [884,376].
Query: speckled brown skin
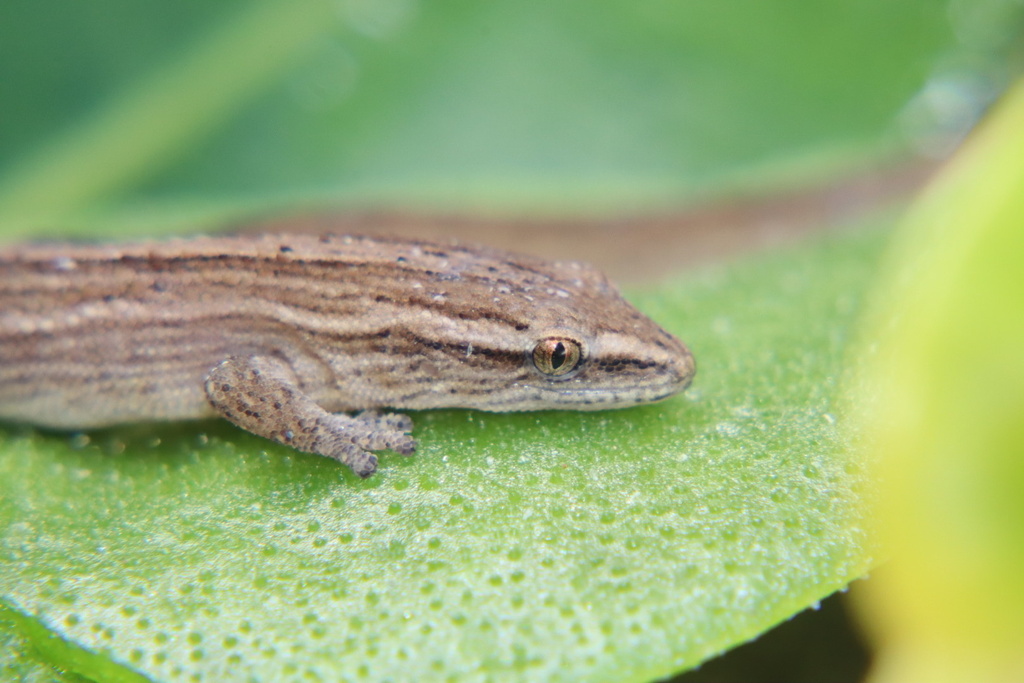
[278,332]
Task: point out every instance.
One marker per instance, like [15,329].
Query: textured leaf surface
[612,546]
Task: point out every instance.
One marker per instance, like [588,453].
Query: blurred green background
[118,115]
[119,118]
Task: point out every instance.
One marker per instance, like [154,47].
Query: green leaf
[19,661]
[25,647]
[618,546]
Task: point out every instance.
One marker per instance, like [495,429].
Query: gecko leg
[261,395]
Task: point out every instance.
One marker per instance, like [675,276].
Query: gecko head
[522,333]
[578,369]
[592,351]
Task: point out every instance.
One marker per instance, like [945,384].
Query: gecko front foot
[260,394]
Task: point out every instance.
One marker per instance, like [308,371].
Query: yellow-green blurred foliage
[947,424]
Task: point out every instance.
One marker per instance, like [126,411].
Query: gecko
[307,339]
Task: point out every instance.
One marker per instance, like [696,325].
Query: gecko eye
[557,356]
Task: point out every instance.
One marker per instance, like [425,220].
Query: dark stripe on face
[614,363]
[460,349]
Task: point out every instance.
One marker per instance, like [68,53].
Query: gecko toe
[402,423]
[405,447]
[365,466]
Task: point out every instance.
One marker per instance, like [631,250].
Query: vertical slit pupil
[558,356]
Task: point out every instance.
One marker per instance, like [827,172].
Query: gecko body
[284,334]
